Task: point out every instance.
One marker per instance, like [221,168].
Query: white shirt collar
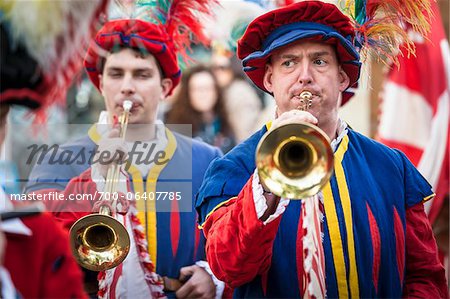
[342,130]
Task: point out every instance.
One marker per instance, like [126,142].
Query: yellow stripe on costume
[347,208]
[150,205]
[428,197]
[94,134]
[336,241]
[147,219]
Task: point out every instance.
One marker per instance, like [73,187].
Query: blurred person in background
[199,102]
[242,102]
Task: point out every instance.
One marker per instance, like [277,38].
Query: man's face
[221,67]
[202,92]
[127,75]
[310,66]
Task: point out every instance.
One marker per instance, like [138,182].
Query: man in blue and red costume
[369,236]
[139,64]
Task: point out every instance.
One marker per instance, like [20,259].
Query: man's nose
[128,87]
[305,75]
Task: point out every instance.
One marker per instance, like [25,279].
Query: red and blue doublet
[376,238]
[170,226]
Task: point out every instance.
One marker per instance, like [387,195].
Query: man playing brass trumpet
[135,61]
[365,234]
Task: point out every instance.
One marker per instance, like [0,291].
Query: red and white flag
[416,107]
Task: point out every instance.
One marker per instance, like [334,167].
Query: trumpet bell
[295,160]
[99,242]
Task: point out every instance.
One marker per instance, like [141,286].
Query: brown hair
[182,111]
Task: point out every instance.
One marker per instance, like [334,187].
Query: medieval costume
[365,234]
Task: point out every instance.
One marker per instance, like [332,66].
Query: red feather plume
[183,20]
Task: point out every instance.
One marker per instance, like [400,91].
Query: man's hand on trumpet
[111,149]
[293,116]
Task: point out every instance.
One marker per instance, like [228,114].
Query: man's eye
[288,63]
[143,75]
[115,75]
[319,62]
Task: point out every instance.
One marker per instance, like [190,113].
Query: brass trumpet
[295,160]
[98,241]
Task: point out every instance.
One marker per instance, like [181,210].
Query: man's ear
[344,80]
[100,83]
[166,85]
[267,80]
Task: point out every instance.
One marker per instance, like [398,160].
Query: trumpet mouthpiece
[127,104]
[306,95]
[305,100]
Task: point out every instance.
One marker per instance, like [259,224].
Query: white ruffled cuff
[220,285]
[261,203]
